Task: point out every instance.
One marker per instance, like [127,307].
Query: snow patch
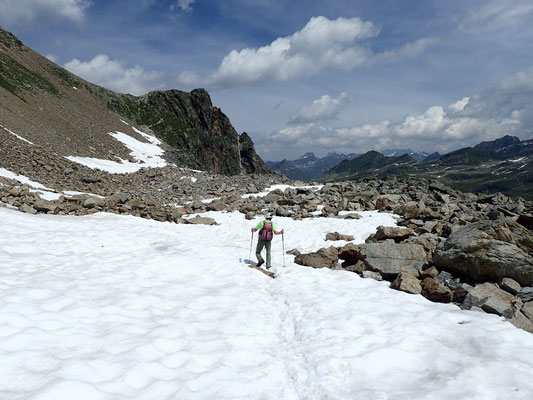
[148,155]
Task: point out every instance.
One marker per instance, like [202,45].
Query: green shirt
[260,225]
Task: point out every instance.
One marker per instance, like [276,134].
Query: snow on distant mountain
[417,155]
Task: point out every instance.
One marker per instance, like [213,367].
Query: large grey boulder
[488,251]
[390,258]
[491,299]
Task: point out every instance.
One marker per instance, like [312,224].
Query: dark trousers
[260,245]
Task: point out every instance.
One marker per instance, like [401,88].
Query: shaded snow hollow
[118,307]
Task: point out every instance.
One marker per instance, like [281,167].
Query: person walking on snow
[267,230]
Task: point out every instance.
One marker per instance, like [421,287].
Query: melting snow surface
[18,136]
[148,155]
[22,179]
[44,192]
[118,307]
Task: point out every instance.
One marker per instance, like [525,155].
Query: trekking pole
[283,244]
[251,243]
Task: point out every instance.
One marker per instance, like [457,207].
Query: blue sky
[298,76]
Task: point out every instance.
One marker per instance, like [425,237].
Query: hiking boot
[268,267]
[260,263]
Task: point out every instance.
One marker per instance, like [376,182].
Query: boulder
[352,216]
[390,232]
[323,258]
[201,221]
[510,285]
[389,258]
[91,202]
[44,206]
[406,281]
[521,321]
[372,275]
[526,294]
[491,299]
[338,236]
[328,211]
[488,251]
[527,310]
[431,272]
[499,306]
[349,253]
[28,209]
[435,291]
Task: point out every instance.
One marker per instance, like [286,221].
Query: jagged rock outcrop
[250,160]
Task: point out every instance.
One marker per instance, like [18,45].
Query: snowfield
[118,307]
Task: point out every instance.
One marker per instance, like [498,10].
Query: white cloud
[321,44]
[36,11]
[113,75]
[323,109]
[186,5]
[504,109]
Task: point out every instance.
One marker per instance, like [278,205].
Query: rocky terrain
[474,251]
[502,165]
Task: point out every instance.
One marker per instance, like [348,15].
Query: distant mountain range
[504,165]
[309,166]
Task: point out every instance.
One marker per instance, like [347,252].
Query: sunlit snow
[118,307]
[148,155]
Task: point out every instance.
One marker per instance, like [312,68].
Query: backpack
[266,232]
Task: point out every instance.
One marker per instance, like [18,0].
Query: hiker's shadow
[247,261]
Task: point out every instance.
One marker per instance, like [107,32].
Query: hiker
[267,230]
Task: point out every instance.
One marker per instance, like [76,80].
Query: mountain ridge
[488,167]
[55,108]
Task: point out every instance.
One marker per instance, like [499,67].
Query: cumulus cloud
[504,109]
[114,75]
[323,109]
[321,44]
[37,11]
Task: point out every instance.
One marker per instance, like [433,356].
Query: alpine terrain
[128,229]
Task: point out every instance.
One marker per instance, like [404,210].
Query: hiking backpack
[266,232]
